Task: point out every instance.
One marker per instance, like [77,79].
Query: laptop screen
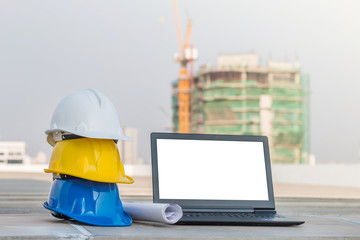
[211,170]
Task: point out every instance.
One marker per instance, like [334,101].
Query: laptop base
[246,219]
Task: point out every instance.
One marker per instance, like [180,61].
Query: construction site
[241,96]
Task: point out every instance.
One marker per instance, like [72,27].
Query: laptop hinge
[218,210]
[272,211]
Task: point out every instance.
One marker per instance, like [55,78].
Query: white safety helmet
[86,113]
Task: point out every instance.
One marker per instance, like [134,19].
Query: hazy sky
[49,49]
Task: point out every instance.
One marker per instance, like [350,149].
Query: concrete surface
[344,175]
[44,226]
[330,174]
[143,187]
[23,217]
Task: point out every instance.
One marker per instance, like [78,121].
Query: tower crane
[186,54]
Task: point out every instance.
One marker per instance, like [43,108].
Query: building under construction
[239,96]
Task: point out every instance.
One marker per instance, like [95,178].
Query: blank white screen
[211,170]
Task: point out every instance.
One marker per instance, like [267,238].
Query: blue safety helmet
[94,203]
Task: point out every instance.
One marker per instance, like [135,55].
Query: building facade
[239,96]
[12,153]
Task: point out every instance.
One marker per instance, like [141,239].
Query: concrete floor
[22,216]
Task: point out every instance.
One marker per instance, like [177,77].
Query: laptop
[216,179]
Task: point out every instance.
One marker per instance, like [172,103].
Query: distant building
[40,158]
[13,153]
[129,149]
[239,96]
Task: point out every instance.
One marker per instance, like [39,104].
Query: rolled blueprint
[153,212]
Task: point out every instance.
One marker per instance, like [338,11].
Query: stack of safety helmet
[85,161]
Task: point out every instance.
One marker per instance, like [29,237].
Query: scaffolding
[253,100]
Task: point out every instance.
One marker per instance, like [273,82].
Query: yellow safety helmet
[88,158]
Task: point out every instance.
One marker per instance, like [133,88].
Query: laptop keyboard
[231,215]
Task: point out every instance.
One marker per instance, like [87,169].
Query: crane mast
[186,54]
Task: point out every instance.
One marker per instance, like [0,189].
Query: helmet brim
[123,218]
[126,179]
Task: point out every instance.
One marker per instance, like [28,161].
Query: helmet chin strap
[62,176]
[70,136]
[62,135]
[57,136]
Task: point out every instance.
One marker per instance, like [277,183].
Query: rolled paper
[154,212]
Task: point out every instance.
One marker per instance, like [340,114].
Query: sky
[125,49]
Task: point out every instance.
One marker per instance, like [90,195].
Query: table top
[22,216]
